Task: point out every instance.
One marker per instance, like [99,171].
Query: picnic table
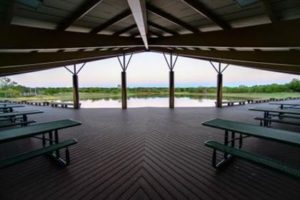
[283,105]
[268,113]
[50,145]
[9,107]
[230,149]
[21,116]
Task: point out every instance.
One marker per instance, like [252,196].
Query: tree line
[9,88]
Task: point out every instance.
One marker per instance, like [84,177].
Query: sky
[150,70]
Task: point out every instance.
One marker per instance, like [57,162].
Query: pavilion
[44,34]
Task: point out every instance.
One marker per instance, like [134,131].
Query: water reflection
[135,102]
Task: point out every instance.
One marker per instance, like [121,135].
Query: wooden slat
[80,12]
[115,19]
[171,18]
[200,7]
[162,28]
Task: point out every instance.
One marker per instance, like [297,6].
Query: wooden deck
[147,153]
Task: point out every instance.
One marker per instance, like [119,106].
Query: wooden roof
[43,34]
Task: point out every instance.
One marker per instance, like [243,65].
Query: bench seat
[35,153]
[17,123]
[282,121]
[256,158]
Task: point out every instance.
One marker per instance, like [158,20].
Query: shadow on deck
[147,153]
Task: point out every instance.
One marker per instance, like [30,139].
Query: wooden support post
[171,90]
[124,65]
[219,90]
[75,91]
[75,73]
[220,71]
[171,64]
[124,90]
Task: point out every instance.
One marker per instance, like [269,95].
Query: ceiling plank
[200,8]
[171,18]
[115,19]
[138,10]
[275,35]
[162,28]
[124,30]
[80,12]
[16,37]
[268,8]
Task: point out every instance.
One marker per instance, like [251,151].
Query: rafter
[162,28]
[268,8]
[115,19]
[276,35]
[171,18]
[124,30]
[138,10]
[80,12]
[205,12]
[16,37]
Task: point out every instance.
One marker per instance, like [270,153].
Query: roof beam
[281,69]
[138,10]
[200,8]
[162,28]
[125,30]
[115,19]
[16,37]
[81,11]
[276,35]
[275,58]
[9,60]
[268,8]
[268,67]
[171,18]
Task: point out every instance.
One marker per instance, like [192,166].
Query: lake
[148,102]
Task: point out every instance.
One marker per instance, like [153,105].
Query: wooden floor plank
[147,153]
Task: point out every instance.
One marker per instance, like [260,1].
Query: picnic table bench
[9,107]
[18,118]
[62,104]
[232,103]
[231,150]
[252,101]
[281,114]
[50,145]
